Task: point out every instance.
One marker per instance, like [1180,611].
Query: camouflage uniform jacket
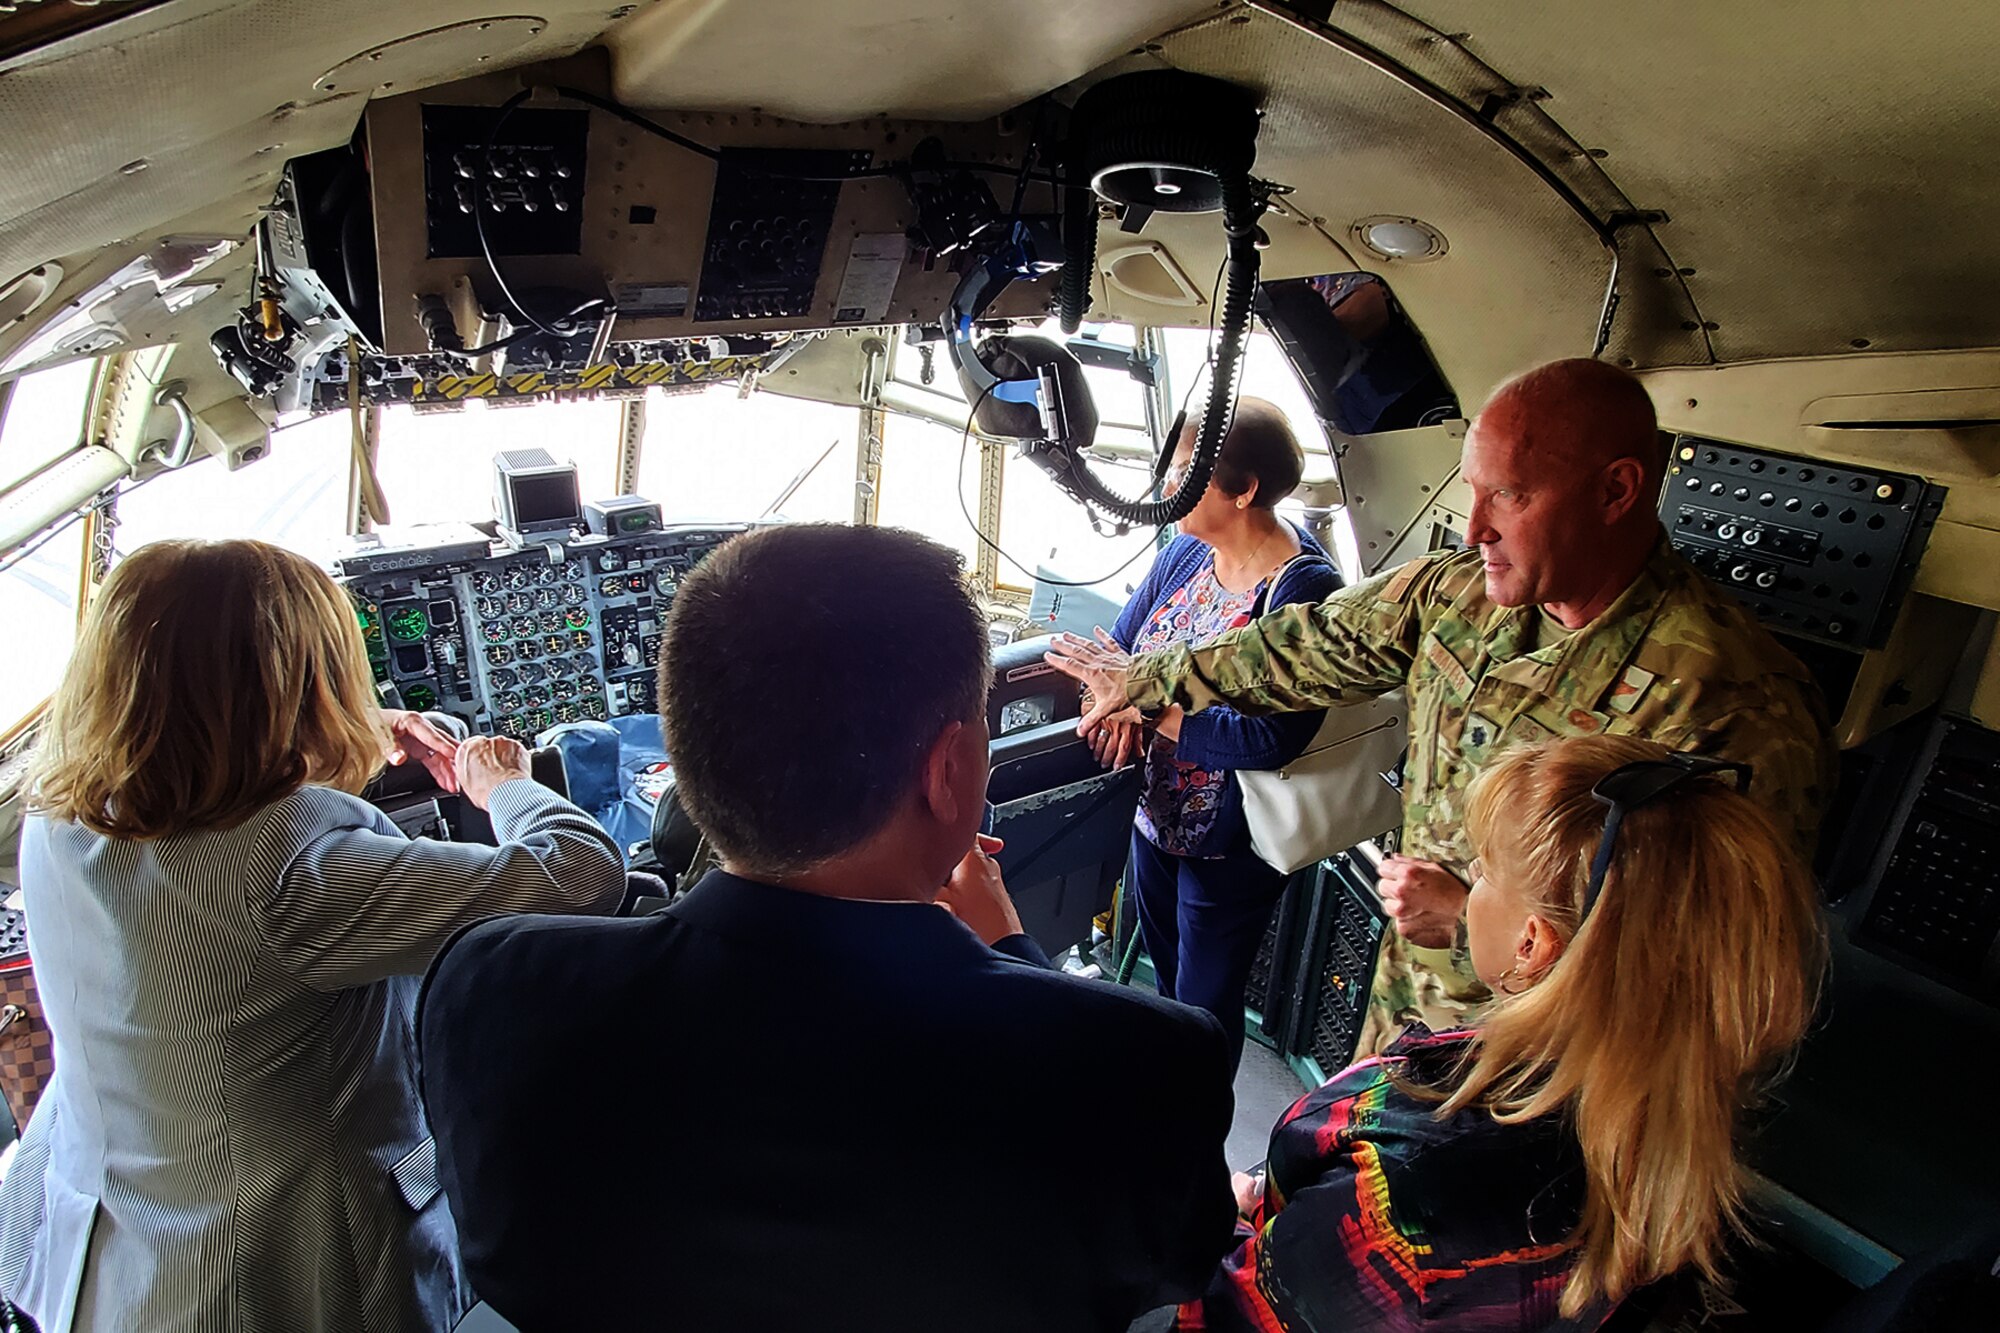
[1674,659]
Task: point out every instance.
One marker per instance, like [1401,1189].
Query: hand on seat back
[413,737]
[484,762]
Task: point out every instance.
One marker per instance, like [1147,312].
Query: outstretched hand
[1425,899]
[1102,667]
[411,736]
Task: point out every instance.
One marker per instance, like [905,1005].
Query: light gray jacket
[233,1141]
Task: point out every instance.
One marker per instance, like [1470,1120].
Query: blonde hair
[209,680]
[1694,975]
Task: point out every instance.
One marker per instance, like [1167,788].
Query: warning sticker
[651,300]
[874,262]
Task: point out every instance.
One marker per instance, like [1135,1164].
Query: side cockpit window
[1359,357]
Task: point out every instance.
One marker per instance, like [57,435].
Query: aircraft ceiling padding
[811,60]
[1524,277]
[1826,166]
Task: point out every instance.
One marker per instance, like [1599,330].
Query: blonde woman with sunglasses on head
[1654,945]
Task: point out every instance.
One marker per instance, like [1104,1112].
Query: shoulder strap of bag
[1264,598]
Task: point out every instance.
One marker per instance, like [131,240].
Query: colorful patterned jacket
[1377,1215]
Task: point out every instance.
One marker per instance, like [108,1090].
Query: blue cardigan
[1220,738]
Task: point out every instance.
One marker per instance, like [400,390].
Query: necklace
[1250,563]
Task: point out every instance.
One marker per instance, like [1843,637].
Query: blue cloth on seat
[617,770]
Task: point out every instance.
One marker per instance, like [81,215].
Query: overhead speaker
[1164,140]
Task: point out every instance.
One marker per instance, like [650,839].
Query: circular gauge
[567,713]
[420,697]
[517,577]
[534,671]
[509,726]
[519,602]
[565,688]
[548,599]
[501,680]
[554,645]
[592,707]
[610,560]
[573,595]
[408,623]
[508,701]
[523,626]
[490,608]
[547,574]
[552,623]
[485,581]
[580,639]
[611,588]
[499,654]
[535,721]
[371,624]
[578,618]
[583,664]
[572,570]
[665,580]
[536,695]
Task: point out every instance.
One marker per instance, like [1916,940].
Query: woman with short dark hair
[228,943]
[1205,898]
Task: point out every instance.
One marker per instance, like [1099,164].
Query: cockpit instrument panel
[1818,550]
[520,640]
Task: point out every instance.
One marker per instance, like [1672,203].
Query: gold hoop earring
[1512,973]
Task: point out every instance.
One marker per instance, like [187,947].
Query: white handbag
[1334,795]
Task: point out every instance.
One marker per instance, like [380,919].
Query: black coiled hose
[1241,209]
[1079,238]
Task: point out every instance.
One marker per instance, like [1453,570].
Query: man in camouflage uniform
[1568,615]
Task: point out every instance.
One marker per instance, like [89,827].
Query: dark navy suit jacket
[767,1110]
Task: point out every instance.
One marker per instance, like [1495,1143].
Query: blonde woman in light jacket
[228,943]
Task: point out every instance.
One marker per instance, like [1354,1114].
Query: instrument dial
[565,688]
[536,695]
[548,599]
[552,623]
[420,697]
[611,587]
[493,631]
[610,561]
[490,608]
[572,570]
[523,626]
[546,574]
[554,645]
[408,623]
[517,577]
[592,707]
[578,618]
[485,582]
[502,679]
[508,701]
[573,595]
[581,639]
[534,671]
[519,602]
[567,713]
[499,654]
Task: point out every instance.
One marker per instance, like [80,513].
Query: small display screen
[546,500]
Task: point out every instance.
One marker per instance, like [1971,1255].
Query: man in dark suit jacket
[805,1097]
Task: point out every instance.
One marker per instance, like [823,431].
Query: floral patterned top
[1180,802]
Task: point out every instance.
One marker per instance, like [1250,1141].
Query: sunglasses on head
[1630,786]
